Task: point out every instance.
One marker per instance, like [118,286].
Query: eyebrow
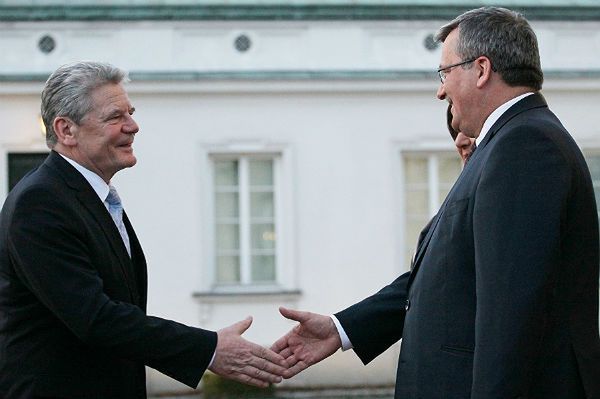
[118,111]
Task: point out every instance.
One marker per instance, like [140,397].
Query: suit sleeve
[50,249]
[516,223]
[376,323]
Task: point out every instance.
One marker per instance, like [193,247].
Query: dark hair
[68,92]
[453,132]
[503,36]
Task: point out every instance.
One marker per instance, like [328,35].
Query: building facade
[289,152]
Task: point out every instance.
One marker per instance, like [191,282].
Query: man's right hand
[243,361]
[309,342]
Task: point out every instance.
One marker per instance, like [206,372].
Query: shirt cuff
[212,359]
[346,344]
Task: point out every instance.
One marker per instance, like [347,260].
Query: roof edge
[274,12]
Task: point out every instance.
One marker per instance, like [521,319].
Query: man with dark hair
[502,301]
[464,145]
[73,278]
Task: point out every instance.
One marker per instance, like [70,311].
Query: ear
[484,69]
[65,130]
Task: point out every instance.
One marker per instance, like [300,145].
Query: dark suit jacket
[503,299]
[73,320]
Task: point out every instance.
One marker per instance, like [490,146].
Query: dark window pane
[19,164]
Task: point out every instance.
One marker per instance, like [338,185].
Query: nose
[463,145]
[441,92]
[130,126]
[462,141]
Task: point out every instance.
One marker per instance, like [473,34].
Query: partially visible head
[464,145]
[451,130]
[505,38]
[68,92]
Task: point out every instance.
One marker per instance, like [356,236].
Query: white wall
[344,186]
[341,138]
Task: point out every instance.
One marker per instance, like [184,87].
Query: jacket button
[407,305]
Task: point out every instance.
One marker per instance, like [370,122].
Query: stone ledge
[185,76]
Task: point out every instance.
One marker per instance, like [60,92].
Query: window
[246,238]
[428,177]
[20,163]
[593,161]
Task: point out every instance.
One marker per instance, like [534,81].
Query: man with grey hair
[73,278]
[502,301]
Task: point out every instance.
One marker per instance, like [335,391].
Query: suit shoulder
[537,128]
[540,120]
[38,187]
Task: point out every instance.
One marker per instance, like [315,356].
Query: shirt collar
[99,185]
[494,116]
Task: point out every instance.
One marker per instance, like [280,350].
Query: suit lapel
[535,100]
[138,263]
[86,195]
[425,243]
[89,199]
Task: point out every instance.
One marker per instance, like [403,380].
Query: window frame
[430,149]
[245,252]
[285,279]
[593,152]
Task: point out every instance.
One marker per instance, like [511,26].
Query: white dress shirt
[494,116]
[97,183]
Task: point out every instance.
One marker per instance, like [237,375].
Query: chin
[129,161]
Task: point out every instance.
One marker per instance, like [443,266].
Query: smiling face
[459,88]
[102,142]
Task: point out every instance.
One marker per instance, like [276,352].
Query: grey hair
[68,92]
[503,36]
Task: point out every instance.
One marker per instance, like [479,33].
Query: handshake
[309,342]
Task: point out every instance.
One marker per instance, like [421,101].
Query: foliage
[216,387]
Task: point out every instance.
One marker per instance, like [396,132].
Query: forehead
[449,48]
[110,96]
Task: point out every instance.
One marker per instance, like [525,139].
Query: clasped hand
[312,340]
[243,361]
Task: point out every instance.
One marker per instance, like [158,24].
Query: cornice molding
[267,12]
[324,75]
